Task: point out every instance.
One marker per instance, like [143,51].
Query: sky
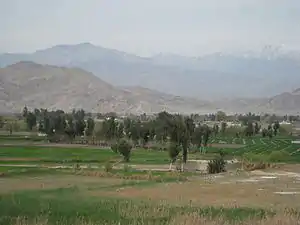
[148,27]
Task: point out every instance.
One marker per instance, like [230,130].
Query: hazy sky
[146,27]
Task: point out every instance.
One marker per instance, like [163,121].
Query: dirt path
[192,165]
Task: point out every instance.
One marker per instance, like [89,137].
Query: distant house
[234,124]
[285,123]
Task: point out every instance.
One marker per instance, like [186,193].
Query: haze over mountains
[231,82]
[213,76]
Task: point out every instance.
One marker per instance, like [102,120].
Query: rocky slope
[44,86]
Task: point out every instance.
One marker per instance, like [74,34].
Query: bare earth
[276,189]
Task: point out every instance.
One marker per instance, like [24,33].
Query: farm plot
[234,140]
[87,198]
[280,148]
[34,154]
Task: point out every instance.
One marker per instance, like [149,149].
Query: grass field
[33,194]
[64,197]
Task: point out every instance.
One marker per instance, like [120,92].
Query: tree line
[179,132]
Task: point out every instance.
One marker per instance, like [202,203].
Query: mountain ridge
[211,76]
[54,87]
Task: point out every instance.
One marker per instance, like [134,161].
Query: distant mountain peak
[296,91]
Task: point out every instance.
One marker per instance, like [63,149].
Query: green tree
[25,112]
[270,131]
[30,120]
[173,150]
[276,127]
[120,131]
[70,130]
[90,126]
[256,128]
[206,135]
[223,127]
[249,129]
[220,116]
[216,129]
[124,148]
[1,122]
[198,136]
[264,132]
[109,128]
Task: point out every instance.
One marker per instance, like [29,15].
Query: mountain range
[211,77]
[53,87]
[100,79]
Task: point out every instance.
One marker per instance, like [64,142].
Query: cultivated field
[74,184]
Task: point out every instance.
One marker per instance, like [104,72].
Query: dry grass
[227,194]
[190,219]
[146,176]
[197,220]
[8,185]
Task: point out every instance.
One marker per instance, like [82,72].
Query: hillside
[44,86]
[210,76]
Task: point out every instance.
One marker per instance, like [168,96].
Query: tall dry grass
[198,220]
[191,219]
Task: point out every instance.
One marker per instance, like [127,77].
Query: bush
[114,147]
[108,167]
[255,157]
[279,156]
[126,168]
[124,148]
[216,165]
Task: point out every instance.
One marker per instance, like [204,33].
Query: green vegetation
[71,206]
[84,171]
[277,150]
[40,154]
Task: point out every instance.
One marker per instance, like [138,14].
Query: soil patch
[249,193]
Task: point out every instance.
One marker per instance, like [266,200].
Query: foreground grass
[70,206]
[189,219]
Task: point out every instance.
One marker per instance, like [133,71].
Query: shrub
[279,156]
[108,167]
[127,168]
[255,157]
[114,147]
[216,165]
[124,148]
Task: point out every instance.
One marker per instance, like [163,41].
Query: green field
[260,147]
[77,155]
[36,195]
[74,206]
